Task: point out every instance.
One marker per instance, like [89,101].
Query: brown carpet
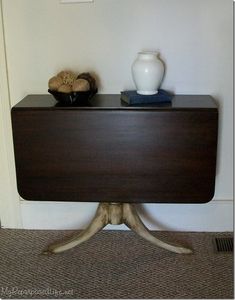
[113,264]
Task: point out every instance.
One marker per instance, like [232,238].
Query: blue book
[131,97]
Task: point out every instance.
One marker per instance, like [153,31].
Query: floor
[113,264]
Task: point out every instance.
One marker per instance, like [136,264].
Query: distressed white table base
[113,213]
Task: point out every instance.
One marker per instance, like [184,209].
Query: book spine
[125,98]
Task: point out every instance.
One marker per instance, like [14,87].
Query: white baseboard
[216,215]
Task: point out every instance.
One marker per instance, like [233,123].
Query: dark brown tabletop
[107,151]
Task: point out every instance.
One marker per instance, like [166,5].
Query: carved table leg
[99,221]
[133,221]
[113,213]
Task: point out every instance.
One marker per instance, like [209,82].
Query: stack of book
[131,97]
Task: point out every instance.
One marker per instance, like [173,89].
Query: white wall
[9,200]
[193,37]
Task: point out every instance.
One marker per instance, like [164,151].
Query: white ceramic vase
[147,73]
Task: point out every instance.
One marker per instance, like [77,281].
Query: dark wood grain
[125,155]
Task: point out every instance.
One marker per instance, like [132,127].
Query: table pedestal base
[114,213]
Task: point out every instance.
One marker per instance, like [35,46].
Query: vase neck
[147,54]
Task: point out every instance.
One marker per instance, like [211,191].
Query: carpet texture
[113,264]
